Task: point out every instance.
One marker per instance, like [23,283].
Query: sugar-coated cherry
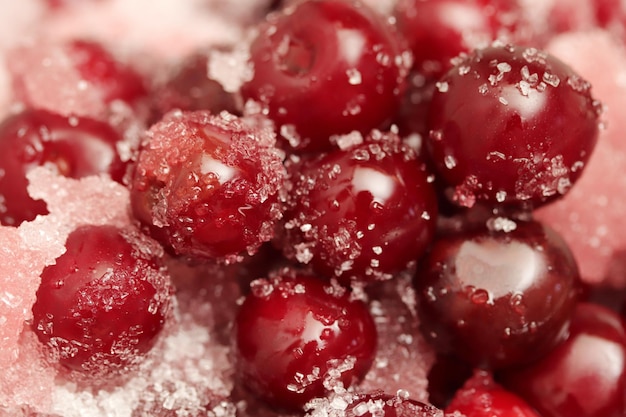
[439,30]
[585,376]
[362,213]
[190,88]
[297,337]
[113,79]
[482,397]
[76,147]
[498,296]
[104,302]
[207,185]
[379,404]
[511,125]
[327,67]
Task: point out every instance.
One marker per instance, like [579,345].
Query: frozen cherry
[296,335]
[585,376]
[103,303]
[362,213]
[325,68]
[498,296]
[76,147]
[113,79]
[482,397]
[439,30]
[207,186]
[511,125]
[190,88]
[383,405]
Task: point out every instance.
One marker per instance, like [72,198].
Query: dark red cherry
[207,186]
[482,397]
[324,68]
[585,376]
[190,88]
[103,303]
[362,213]
[439,30]
[296,335]
[499,296]
[511,125]
[113,79]
[384,405]
[446,376]
[76,147]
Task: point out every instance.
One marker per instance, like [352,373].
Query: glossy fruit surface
[497,298]
[362,213]
[585,376]
[76,147]
[103,303]
[482,397]
[439,30]
[207,186]
[296,334]
[511,125]
[325,68]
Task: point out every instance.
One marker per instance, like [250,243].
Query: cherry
[482,397]
[585,376]
[114,80]
[296,336]
[379,404]
[362,213]
[439,30]
[104,302]
[511,125]
[325,68]
[446,376]
[76,147]
[190,88]
[499,296]
[207,186]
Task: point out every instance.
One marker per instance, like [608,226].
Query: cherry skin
[511,125]
[294,333]
[439,30]
[482,397]
[190,88]
[104,302]
[379,404]
[114,80]
[76,147]
[207,186]
[362,213]
[325,68]
[497,298]
[585,376]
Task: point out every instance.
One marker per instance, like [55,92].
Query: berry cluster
[358,150]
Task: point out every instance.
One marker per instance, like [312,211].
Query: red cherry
[76,147]
[103,303]
[207,186]
[294,336]
[190,88]
[439,30]
[511,125]
[360,214]
[497,298]
[325,68]
[384,405]
[482,397]
[585,376]
[114,80]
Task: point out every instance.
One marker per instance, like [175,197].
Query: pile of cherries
[393,153]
